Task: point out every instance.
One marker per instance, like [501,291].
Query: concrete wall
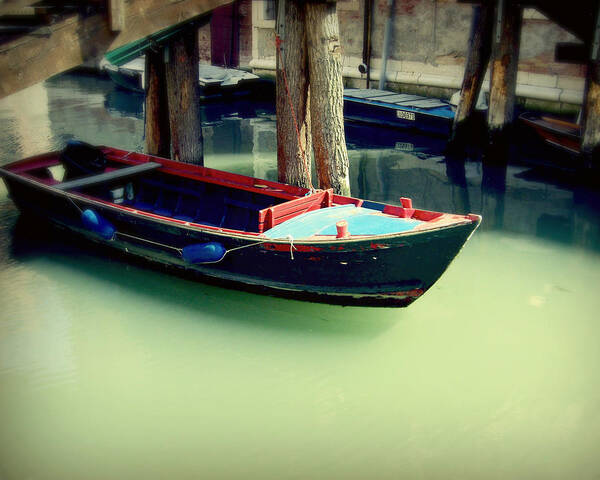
[428,50]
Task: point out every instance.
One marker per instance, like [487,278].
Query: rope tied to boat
[73,202]
[292,247]
[180,250]
[207,252]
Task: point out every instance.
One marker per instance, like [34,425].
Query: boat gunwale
[534,122]
[213,230]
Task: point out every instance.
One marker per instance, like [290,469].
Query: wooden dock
[41,39]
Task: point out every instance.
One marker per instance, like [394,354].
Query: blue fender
[211,252]
[94,222]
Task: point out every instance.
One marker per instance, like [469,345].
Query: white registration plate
[405,115]
[404,146]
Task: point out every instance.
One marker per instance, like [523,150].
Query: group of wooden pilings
[173,126]
[310,95]
[309,59]
[495,40]
[310,90]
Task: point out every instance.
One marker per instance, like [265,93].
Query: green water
[109,370]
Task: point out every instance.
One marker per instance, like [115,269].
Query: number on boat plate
[404,146]
[405,115]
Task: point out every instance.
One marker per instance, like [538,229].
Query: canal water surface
[109,370]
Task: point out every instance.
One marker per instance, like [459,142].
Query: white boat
[213,80]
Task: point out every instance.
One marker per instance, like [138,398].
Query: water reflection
[110,369]
[519,196]
[124,103]
[31,240]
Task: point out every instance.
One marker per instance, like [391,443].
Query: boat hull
[127,79]
[394,270]
[556,132]
[403,111]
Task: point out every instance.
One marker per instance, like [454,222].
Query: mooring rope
[180,250]
[76,206]
[292,247]
[146,240]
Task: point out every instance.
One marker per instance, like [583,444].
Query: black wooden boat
[240,231]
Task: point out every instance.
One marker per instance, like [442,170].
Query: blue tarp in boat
[361,221]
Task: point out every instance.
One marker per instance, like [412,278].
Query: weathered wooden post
[116,15]
[478,57]
[327,96]
[590,142]
[184,97]
[294,146]
[158,133]
[505,62]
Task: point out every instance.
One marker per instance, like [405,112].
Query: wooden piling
[294,147]
[184,97]
[326,98]
[505,62]
[158,133]
[590,141]
[478,56]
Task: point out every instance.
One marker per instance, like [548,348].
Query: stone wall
[428,50]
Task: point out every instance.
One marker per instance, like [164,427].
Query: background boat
[214,81]
[401,110]
[558,132]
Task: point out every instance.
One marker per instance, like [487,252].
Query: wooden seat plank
[107,176]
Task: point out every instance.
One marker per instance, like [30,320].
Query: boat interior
[401,99]
[198,195]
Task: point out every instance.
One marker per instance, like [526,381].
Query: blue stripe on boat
[361,221]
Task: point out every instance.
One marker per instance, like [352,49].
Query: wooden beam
[51,50]
[107,177]
[505,62]
[183,97]
[116,15]
[478,57]
[76,39]
[144,17]
[158,133]
[294,147]
[326,96]
[590,142]
[20,8]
